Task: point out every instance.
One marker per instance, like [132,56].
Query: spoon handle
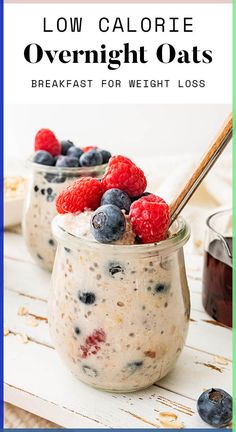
[207,161]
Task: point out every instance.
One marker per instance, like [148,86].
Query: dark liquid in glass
[217,281]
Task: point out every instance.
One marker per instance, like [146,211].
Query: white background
[212,30]
[138,131]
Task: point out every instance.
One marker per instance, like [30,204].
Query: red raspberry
[46,140]
[150,218]
[92,343]
[83,194]
[88,148]
[123,174]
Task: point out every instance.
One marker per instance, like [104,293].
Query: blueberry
[44,158]
[118,198]
[55,178]
[140,196]
[91,158]
[36,188]
[65,145]
[77,330]
[115,268]
[89,371]
[135,365]
[50,198]
[108,224]
[74,152]
[106,155]
[49,191]
[67,162]
[160,288]
[51,242]
[87,298]
[67,249]
[215,407]
[56,158]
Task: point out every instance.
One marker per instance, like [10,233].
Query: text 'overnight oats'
[119,305]
[54,165]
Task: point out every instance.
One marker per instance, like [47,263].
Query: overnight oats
[50,174]
[119,304]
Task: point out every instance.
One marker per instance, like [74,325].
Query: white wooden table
[37,381]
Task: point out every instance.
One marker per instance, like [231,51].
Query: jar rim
[83,171]
[181,233]
[212,216]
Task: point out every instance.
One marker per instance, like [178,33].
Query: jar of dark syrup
[217,270]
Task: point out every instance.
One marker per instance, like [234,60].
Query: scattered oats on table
[32,321]
[22,311]
[22,338]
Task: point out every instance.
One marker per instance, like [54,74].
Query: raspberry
[88,148]
[123,174]
[46,140]
[92,343]
[83,194]
[150,218]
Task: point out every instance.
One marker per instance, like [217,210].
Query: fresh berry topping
[91,158]
[215,407]
[43,157]
[138,197]
[150,218]
[56,158]
[83,194]
[108,224]
[117,197]
[46,140]
[106,155]
[65,145]
[75,152]
[67,162]
[93,343]
[123,174]
[87,298]
[88,148]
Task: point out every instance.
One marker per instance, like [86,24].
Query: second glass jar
[45,184]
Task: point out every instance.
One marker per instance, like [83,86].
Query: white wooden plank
[35,370]
[26,278]
[24,324]
[195,371]
[15,247]
[207,335]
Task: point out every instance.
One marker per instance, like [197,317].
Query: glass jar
[118,315]
[217,270]
[44,185]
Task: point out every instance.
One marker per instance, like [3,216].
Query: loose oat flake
[22,311]
[22,338]
[169,420]
[221,360]
[6,332]
[32,321]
